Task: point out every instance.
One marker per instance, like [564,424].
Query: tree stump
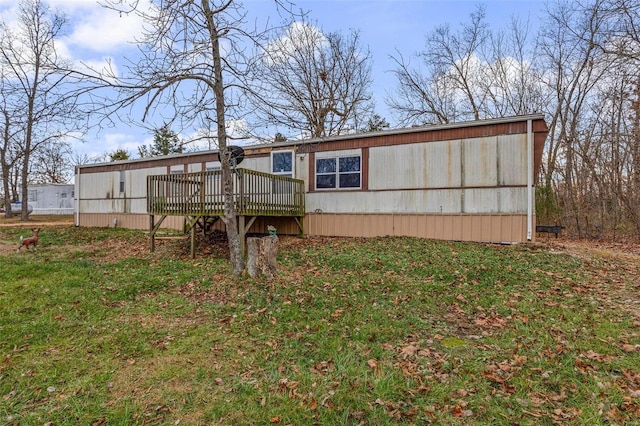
[261,256]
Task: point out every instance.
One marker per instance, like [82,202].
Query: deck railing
[201,194]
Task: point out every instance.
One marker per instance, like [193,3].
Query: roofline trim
[391,132]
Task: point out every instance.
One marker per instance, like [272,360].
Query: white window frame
[287,173]
[122,181]
[336,155]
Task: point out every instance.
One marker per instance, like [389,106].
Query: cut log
[262,256]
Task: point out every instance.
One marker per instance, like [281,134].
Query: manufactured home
[469,181]
[51,198]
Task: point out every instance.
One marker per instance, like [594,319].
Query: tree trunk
[5,168]
[262,254]
[235,250]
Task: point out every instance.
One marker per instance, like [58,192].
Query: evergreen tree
[119,155]
[165,142]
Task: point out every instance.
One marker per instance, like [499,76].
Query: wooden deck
[199,198]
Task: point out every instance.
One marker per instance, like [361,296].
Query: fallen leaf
[374,365]
[628,348]
[408,350]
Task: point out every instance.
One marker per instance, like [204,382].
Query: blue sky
[386,26]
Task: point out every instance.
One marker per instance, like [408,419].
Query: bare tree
[44,108]
[445,91]
[510,76]
[574,68]
[184,72]
[469,74]
[8,155]
[313,82]
[52,163]
[624,29]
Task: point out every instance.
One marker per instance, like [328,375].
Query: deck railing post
[152,233]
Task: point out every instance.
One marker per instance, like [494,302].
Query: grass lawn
[95,330]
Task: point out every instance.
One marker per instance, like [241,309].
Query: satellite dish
[235,153]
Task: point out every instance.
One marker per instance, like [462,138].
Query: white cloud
[91,28]
[109,142]
[97,28]
[103,30]
[299,37]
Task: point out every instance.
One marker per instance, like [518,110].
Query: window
[121,181]
[63,195]
[282,163]
[176,188]
[338,172]
[214,180]
[32,195]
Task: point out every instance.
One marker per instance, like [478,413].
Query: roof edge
[391,132]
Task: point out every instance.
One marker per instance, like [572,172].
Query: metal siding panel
[496,229]
[480,200]
[456,228]
[421,230]
[442,167]
[399,224]
[438,227]
[512,200]
[476,228]
[512,160]
[485,227]
[480,162]
[447,228]
[482,228]
[381,163]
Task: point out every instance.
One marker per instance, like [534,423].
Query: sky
[386,28]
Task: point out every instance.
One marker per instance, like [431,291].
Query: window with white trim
[339,172]
[122,181]
[282,164]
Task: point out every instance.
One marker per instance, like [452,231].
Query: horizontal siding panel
[480,228]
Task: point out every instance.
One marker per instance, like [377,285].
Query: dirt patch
[581,248]
[36,220]
[613,269]
[6,247]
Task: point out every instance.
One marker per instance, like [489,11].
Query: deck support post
[243,242]
[152,243]
[191,222]
[192,243]
[153,228]
[243,227]
[300,222]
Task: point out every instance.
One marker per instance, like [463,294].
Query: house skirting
[125,220]
[495,228]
